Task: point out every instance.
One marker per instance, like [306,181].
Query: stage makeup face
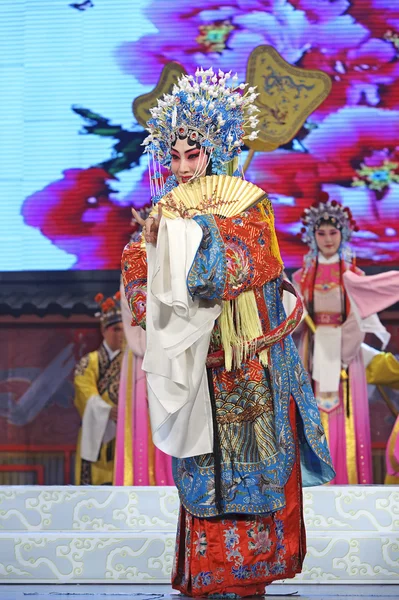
[188,161]
[114,336]
[328,240]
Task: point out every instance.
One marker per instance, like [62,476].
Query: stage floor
[164,592]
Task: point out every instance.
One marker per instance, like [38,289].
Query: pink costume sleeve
[372,293]
[352,339]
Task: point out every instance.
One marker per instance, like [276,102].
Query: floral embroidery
[279,529]
[235,556]
[134,273]
[232,544]
[136,295]
[239,266]
[253,549]
[278,568]
[260,541]
[200,543]
[203,578]
[241,572]
[231,537]
[82,366]
[261,569]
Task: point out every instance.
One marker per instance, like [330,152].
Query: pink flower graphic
[262,542]
[354,155]
[233,28]
[349,137]
[357,73]
[379,16]
[321,10]
[79,216]
[377,240]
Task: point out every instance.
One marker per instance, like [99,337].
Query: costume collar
[328,261]
[111,353]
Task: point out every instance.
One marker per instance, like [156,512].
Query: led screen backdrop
[70,153]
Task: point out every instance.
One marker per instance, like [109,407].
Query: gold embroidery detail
[109,374]
[82,366]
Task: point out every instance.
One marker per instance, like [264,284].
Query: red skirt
[241,554]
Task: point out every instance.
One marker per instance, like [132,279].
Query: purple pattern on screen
[349,147]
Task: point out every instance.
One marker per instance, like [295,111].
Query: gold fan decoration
[170,75]
[214,194]
[287,96]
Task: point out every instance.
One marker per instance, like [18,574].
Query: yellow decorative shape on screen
[287,96]
[171,72]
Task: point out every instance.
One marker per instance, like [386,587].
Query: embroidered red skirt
[241,554]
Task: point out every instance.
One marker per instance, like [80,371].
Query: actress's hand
[150,226]
[113,414]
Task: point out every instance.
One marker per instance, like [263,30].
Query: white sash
[178,335]
[327,358]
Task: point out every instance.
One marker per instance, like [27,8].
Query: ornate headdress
[208,110]
[325,211]
[110,309]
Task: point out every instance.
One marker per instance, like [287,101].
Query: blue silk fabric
[253,477]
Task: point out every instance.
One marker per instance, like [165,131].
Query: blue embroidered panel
[257,486]
[316,463]
[207,276]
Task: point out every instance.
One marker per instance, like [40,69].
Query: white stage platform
[152,591]
[120,535]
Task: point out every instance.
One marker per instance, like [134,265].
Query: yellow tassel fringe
[239,322]
[239,327]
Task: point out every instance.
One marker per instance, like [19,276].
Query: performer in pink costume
[137,460]
[331,340]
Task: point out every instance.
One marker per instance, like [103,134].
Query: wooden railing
[67,452]
[38,469]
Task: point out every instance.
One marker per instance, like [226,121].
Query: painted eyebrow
[187,151]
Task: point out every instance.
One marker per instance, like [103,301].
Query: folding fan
[222,195]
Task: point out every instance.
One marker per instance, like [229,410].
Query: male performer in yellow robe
[96,396]
[382,369]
